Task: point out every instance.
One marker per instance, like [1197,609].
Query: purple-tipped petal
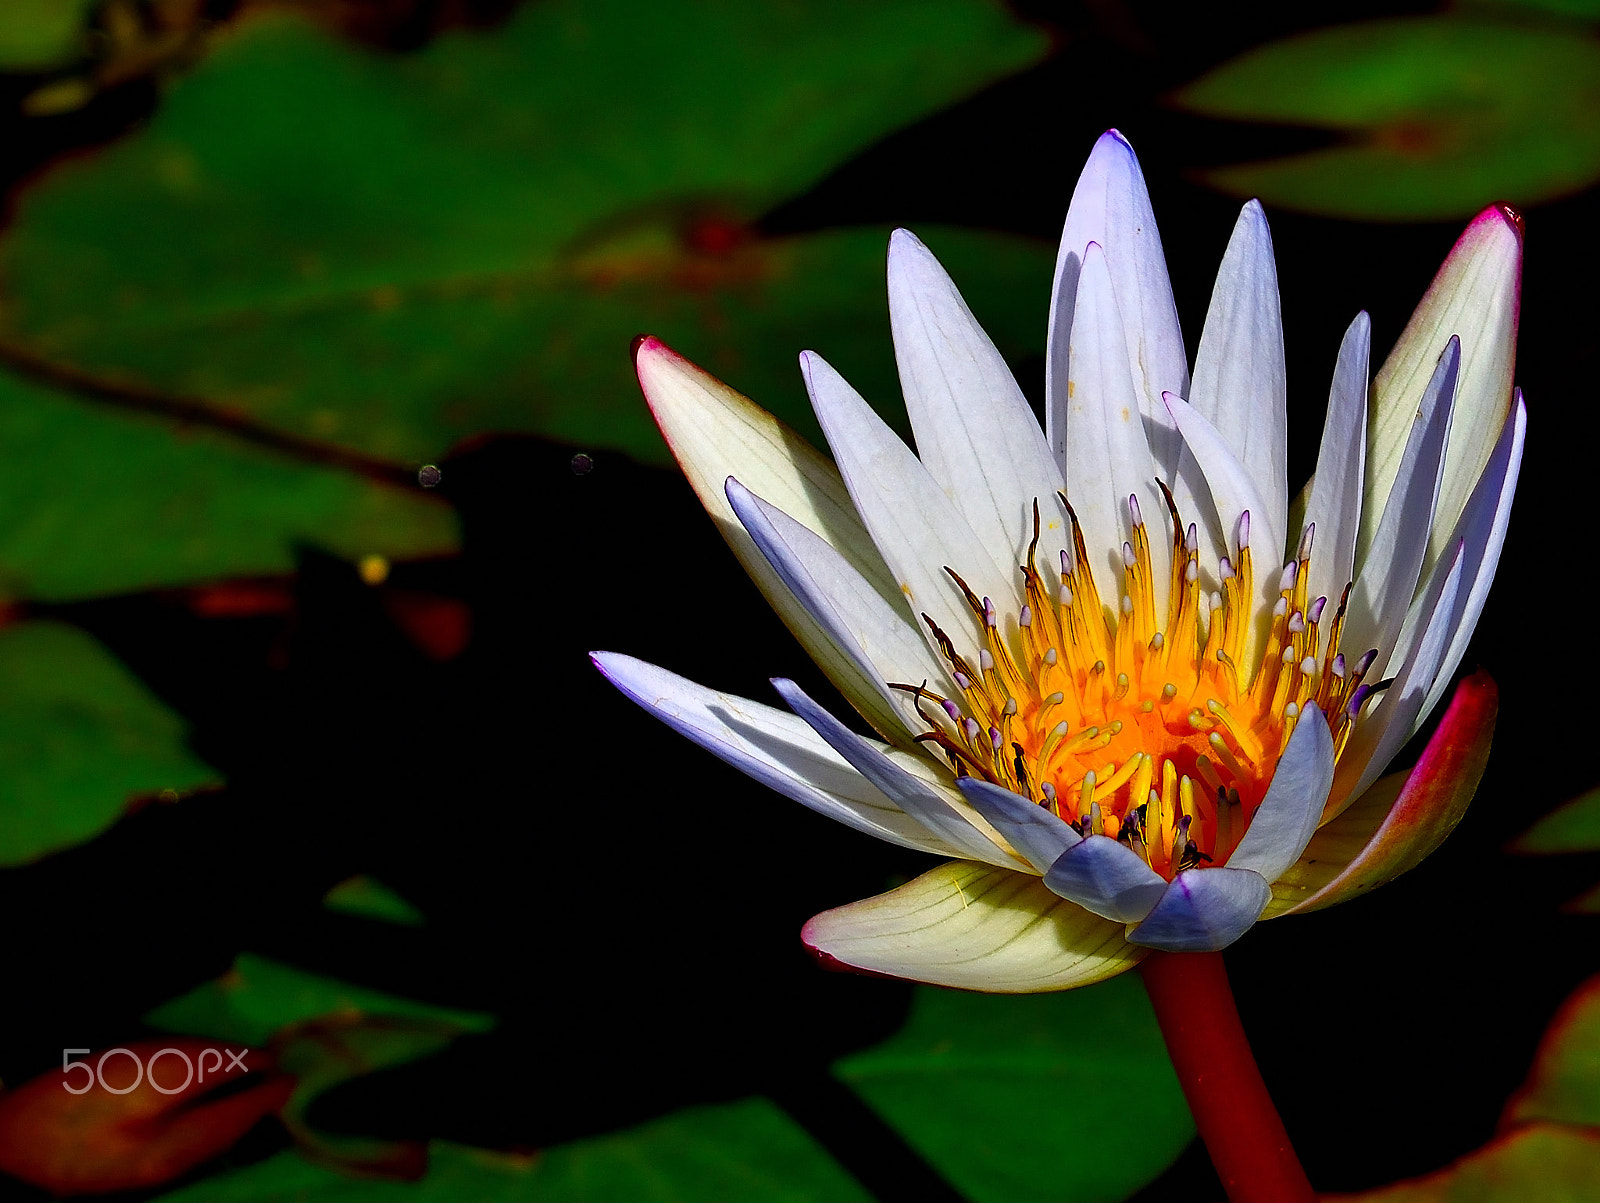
[1204,910]
[1032,830]
[1111,206]
[916,797]
[1287,817]
[1107,878]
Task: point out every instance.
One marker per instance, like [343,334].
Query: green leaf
[390,253]
[1444,114]
[1547,1162]
[321,1032]
[1573,826]
[1576,10]
[258,997]
[984,1087]
[97,500]
[747,1151]
[371,899]
[1564,1085]
[79,735]
[38,34]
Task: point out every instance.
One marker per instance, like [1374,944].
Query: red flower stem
[1231,1106]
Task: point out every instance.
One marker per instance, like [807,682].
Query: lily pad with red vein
[1437,116]
[391,252]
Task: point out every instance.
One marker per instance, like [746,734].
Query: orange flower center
[1141,726]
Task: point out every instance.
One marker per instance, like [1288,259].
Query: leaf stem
[1232,1109]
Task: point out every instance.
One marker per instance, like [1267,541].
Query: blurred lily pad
[257,998]
[749,1151]
[38,34]
[96,500]
[1565,1083]
[1548,1162]
[1571,827]
[389,253]
[1442,115]
[371,899]
[976,1083]
[1548,1147]
[321,1032]
[79,736]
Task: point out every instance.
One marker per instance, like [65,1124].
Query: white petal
[1103,438]
[1032,830]
[1335,506]
[1204,910]
[1387,575]
[934,808]
[1111,206]
[773,746]
[1239,384]
[1482,532]
[1287,817]
[715,432]
[974,928]
[913,523]
[975,433]
[1232,490]
[1385,730]
[1108,878]
[1475,296]
[883,644]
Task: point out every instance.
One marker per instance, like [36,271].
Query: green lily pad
[979,1085]
[321,1032]
[371,899]
[79,736]
[390,253]
[96,500]
[1564,1085]
[1443,115]
[748,1150]
[38,34]
[258,997]
[1571,827]
[1548,1162]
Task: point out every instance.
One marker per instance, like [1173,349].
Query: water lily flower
[1137,691]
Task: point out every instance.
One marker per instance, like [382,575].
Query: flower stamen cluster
[1138,730]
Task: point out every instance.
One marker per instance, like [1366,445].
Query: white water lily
[1110,678]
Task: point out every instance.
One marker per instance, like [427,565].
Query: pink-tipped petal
[715,432]
[974,928]
[1476,297]
[1403,817]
